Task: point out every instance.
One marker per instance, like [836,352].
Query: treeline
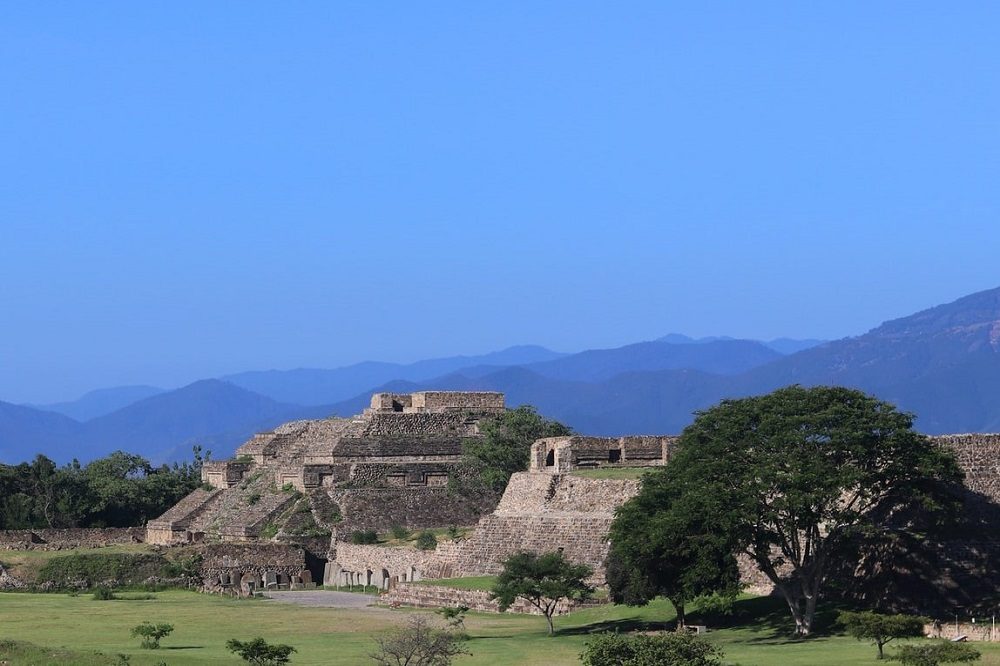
[119,490]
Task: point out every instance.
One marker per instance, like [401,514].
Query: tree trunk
[880,644]
[681,619]
[548,618]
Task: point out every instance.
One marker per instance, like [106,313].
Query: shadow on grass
[182,647]
[767,615]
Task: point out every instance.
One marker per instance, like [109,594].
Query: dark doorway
[614,455]
[550,458]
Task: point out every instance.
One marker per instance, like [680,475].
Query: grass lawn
[612,472]
[203,623]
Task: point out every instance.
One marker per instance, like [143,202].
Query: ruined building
[388,466]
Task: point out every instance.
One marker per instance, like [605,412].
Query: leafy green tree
[936,652]
[675,649]
[541,580]
[800,471]
[260,652]
[152,633]
[666,542]
[505,447]
[880,628]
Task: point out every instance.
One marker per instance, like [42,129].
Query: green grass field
[612,472]
[203,623]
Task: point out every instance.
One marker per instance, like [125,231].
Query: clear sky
[189,189]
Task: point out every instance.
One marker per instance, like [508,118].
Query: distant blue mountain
[780,345]
[101,402]
[943,364]
[724,357]
[320,387]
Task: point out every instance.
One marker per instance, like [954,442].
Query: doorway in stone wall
[550,458]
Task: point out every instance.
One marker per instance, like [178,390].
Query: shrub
[268,531]
[152,633]
[679,649]
[453,532]
[936,652]
[260,652]
[123,569]
[253,498]
[399,532]
[426,540]
[417,643]
[104,594]
[364,536]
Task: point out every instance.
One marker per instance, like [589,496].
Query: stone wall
[436,596]
[561,455]
[979,457]
[60,539]
[356,564]
[414,508]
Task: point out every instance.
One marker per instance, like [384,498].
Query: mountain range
[943,364]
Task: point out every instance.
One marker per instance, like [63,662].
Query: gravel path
[323,599]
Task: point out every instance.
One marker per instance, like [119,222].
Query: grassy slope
[24,564]
[203,623]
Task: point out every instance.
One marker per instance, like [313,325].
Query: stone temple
[388,466]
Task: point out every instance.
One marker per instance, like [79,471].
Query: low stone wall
[437,596]
[77,537]
[356,564]
[984,631]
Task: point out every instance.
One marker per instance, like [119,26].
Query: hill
[101,402]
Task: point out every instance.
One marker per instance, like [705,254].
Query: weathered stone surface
[62,539]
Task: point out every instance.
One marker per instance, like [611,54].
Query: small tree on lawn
[880,628]
[260,652]
[151,633]
[418,644]
[454,616]
[936,652]
[541,580]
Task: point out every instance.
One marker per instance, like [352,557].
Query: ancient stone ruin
[306,486]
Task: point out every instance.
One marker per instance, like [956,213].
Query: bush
[426,540]
[399,532]
[880,628]
[152,633]
[933,653]
[104,594]
[417,643]
[260,652]
[364,536]
[253,498]
[680,649]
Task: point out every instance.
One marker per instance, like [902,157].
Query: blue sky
[191,189]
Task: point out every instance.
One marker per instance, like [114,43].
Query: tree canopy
[119,490]
[665,543]
[793,474]
[505,447]
[541,580]
[880,628]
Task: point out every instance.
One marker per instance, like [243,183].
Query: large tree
[665,542]
[798,472]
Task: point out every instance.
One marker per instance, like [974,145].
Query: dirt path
[323,599]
